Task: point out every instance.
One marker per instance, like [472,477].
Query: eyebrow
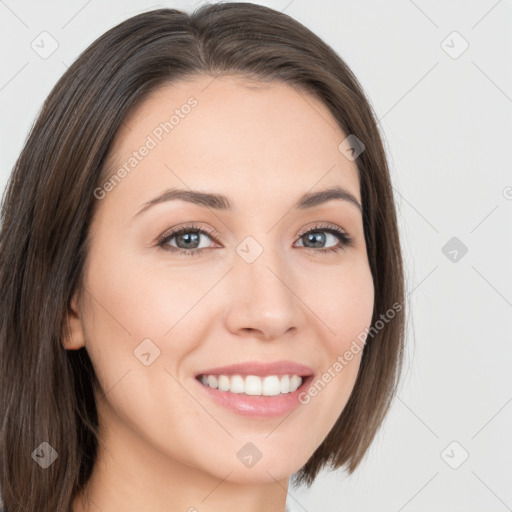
[222,202]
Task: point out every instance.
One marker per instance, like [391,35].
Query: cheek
[344,310]
[128,311]
[136,306]
[132,299]
[342,299]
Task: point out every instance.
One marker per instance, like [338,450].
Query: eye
[188,239]
[316,237]
[186,236]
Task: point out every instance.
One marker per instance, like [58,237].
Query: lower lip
[259,405]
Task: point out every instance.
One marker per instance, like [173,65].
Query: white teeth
[223,383]
[253,385]
[285,384]
[295,382]
[269,385]
[236,384]
[212,381]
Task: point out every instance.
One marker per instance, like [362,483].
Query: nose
[262,300]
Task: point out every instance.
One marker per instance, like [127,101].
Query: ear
[73,336]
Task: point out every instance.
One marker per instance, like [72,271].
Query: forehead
[258,139]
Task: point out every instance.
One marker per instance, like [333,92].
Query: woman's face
[153,318]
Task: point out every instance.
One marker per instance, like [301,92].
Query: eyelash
[345,239]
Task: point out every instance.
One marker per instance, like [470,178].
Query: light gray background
[446,123]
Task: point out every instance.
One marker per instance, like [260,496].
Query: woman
[202,284]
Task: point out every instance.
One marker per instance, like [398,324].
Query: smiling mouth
[254,385]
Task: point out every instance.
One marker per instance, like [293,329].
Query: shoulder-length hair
[46,391]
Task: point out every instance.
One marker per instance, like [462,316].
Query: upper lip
[259,368]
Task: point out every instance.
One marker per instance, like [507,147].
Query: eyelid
[346,240]
[322,226]
[175,231]
[344,237]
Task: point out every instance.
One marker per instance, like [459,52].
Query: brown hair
[46,391]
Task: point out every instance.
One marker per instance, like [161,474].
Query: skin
[164,445]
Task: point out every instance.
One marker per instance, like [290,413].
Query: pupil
[317,238]
[187,237]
